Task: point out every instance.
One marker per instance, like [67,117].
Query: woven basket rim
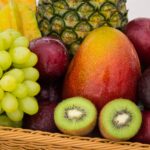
[47,138]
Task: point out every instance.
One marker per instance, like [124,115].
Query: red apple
[144,133]
[52,55]
[138,31]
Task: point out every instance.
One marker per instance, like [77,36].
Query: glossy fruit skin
[144,88]
[52,55]
[138,31]
[105,67]
[43,120]
[50,91]
[144,133]
[44,93]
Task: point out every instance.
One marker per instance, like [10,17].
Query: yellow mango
[105,67]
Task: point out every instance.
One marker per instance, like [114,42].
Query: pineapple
[72,20]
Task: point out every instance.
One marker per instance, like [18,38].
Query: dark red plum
[138,31]
[43,120]
[44,93]
[144,133]
[144,88]
[50,91]
[53,57]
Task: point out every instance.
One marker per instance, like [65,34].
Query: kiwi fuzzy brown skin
[107,133]
[82,131]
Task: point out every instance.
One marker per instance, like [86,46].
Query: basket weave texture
[21,139]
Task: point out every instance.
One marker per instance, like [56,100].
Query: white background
[138,8]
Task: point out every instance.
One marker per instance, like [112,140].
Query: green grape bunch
[18,77]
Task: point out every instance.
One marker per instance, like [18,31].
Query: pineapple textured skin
[72,20]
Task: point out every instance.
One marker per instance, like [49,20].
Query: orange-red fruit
[105,67]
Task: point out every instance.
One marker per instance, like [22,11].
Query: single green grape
[5,121]
[32,61]
[2,46]
[33,87]
[29,105]
[21,42]
[19,66]
[1,72]
[5,35]
[21,91]
[8,83]
[31,73]
[5,60]
[9,102]
[13,33]
[1,94]
[20,55]
[18,74]
[1,110]
[16,115]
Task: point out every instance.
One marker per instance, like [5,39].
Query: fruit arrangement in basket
[75,67]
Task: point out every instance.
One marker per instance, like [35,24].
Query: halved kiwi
[120,120]
[75,116]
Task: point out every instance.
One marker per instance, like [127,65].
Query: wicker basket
[20,139]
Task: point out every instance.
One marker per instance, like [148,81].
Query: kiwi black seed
[75,116]
[120,120]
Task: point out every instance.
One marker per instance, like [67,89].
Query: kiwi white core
[121,119]
[74,114]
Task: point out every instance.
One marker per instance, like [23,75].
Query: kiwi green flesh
[75,116]
[120,119]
